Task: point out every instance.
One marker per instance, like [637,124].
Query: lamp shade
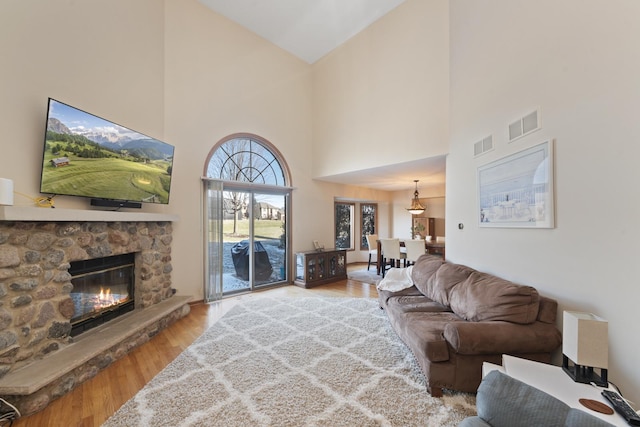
[6,191]
[416,207]
[585,339]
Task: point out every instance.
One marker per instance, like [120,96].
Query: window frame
[363,239]
[352,231]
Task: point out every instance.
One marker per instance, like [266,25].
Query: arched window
[247,203]
[246,158]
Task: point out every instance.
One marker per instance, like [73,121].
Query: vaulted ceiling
[310,29]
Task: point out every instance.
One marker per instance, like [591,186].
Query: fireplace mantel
[27,213]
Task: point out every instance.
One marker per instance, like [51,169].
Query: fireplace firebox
[103,289]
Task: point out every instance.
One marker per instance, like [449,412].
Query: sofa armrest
[474,422]
[497,337]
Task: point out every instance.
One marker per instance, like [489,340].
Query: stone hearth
[36,248]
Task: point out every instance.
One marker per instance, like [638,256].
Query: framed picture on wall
[517,190]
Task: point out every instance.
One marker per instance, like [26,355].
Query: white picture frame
[517,191]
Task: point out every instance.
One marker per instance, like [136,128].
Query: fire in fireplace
[102,290]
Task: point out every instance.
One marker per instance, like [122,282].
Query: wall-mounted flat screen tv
[88,156]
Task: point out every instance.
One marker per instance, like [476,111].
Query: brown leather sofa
[454,318]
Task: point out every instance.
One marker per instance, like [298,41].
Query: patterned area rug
[294,362]
[365,276]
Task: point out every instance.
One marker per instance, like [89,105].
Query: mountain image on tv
[85,155]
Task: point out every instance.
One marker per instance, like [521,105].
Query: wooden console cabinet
[315,268]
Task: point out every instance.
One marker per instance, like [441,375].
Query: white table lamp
[585,342]
[6,191]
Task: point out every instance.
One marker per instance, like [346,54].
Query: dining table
[431,247]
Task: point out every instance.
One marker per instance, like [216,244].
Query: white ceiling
[430,172]
[309,29]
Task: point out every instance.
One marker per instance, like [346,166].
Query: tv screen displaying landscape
[85,155]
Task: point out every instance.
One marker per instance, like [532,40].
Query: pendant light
[416,207]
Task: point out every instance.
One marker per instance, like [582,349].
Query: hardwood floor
[91,403]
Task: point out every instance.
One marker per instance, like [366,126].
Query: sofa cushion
[474,422]
[486,297]
[407,303]
[424,268]
[383,296]
[446,278]
[548,310]
[422,332]
[498,337]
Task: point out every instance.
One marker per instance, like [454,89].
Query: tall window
[247,211]
[368,222]
[344,225]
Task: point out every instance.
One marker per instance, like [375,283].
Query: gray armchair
[503,401]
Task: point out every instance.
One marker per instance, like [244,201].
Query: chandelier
[416,207]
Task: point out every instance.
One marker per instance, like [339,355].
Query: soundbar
[108,203]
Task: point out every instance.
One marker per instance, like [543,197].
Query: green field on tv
[107,178]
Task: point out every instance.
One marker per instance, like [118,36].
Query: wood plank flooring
[91,403]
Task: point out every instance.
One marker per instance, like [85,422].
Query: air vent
[530,123]
[483,146]
[524,126]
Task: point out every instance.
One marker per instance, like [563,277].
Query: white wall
[383,97]
[576,60]
[173,70]
[222,79]
[105,57]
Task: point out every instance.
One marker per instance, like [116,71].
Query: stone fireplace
[53,264]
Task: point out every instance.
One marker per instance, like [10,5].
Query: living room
[428,79]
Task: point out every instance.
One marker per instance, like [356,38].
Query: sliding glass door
[236,252]
[270,239]
[248,241]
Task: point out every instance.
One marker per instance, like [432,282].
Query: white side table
[554,381]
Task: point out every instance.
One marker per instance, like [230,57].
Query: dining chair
[372,243]
[391,254]
[439,239]
[415,249]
